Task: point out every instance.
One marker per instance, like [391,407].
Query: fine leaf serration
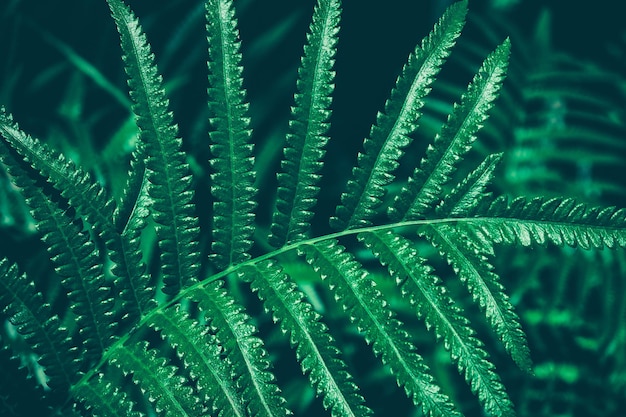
[170,326]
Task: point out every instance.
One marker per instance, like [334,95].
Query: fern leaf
[83,194]
[164,387]
[26,310]
[427,293]
[243,348]
[424,188]
[103,398]
[356,292]
[169,175]
[86,196]
[297,189]
[202,356]
[471,191]
[470,259]
[232,162]
[131,219]
[394,127]
[557,220]
[75,258]
[315,348]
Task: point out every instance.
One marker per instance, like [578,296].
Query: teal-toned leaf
[162,384]
[104,398]
[355,290]
[315,348]
[243,348]
[233,174]
[470,260]
[297,189]
[83,194]
[395,126]
[202,357]
[443,316]
[425,188]
[26,310]
[167,171]
[561,221]
[471,191]
[76,260]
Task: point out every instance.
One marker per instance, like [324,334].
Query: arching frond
[394,127]
[365,305]
[424,188]
[315,349]
[167,171]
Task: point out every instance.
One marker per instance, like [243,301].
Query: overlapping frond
[34,320]
[356,292]
[394,127]
[470,259]
[244,349]
[424,188]
[233,174]
[166,389]
[315,348]
[442,315]
[83,194]
[303,155]
[103,398]
[76,260]
[167,171]
[202,356]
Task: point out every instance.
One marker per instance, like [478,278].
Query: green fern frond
[202,356]
[103,398]
[359,298]
[297,189]
[470,260]
[33,318]
[424,188]
[442,315]
[165,388]
[471,190]
[233,164]
[315,348]
[250,360]
[168,174]
[83,194]
[394,127]
[561,221]
[76,260]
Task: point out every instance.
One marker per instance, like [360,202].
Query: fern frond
[442,315]
[561,221]
[315,349]
[164,387]
[202,356]
[470,260]
[250,360]
[76,260]
[103,398]
[232,163]
[471,191]
[356,292]
[394,127]
[83,194]
[33,318]
[297,189]
[168,174]
[424,188]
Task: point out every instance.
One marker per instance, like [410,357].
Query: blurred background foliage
[561,123]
